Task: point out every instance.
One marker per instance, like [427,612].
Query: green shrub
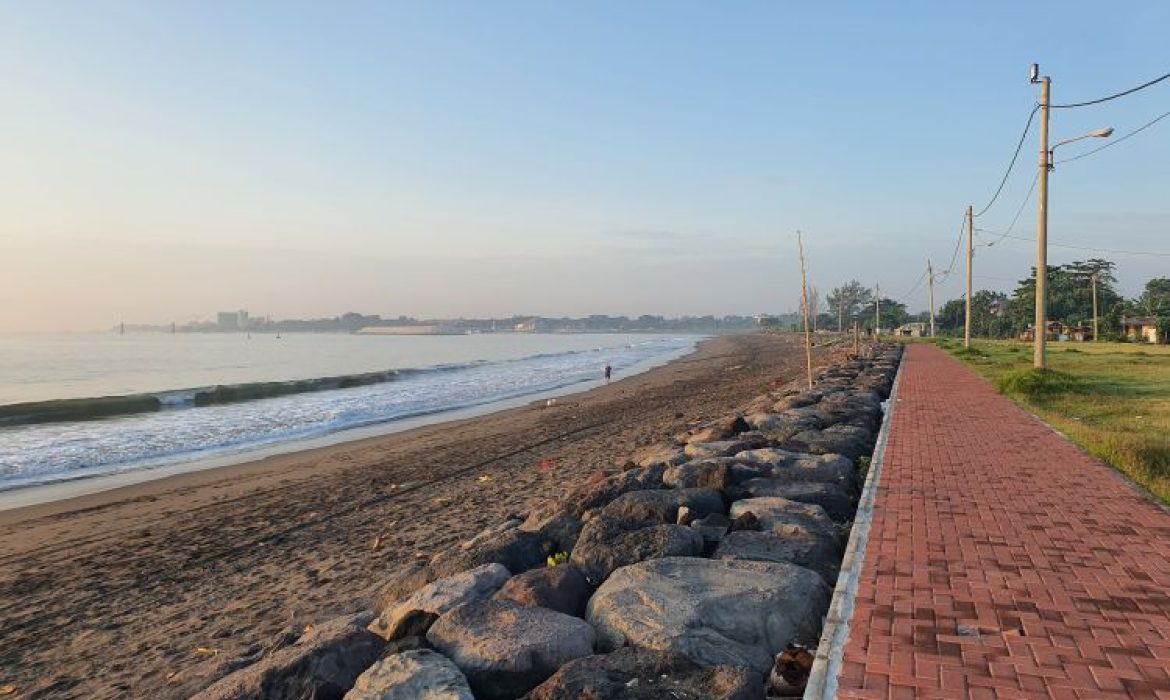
[1040,384]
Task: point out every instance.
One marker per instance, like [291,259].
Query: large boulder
[848,440]
[719,430]
[597,494]
[405,617]
[659,454]
[556,523]
[642,508]
[505,649]
[724,448]
[700,473]
[412,675]
[715,612]
[781,516]
[796,466]
[644,674]
[797,546]
[562,588]
[834,499]
[323,663]
[607,544]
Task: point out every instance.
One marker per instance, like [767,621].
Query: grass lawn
[1113,399]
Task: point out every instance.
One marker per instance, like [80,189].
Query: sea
[77,406]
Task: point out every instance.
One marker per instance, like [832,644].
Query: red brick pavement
[1002,560]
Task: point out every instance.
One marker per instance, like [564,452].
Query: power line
[913,289]
[1080,247]
[1143,86]
[958,244]
[1012,225]
[1116,141]
[1012,164]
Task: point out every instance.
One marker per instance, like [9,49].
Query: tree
[814,306]
[893,314]
[1070,295]
[849,302]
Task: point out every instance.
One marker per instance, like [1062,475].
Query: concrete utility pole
[1095,306]
[970,254]
[804,308]
[930,286]
[1041,330]
[877,302]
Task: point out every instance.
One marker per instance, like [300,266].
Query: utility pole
[877,301]
[1095,306]
[840,312]
[857,338]
[930,286]
[1040,336]
[804,308]
[970,254]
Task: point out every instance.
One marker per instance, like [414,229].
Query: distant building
[1055,331]
[911,330]
[231,320]
[767,321]
[1142,328]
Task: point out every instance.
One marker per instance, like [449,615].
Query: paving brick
[1003,561]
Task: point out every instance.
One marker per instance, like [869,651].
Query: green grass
[1113,399]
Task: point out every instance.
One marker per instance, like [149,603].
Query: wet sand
[153,589]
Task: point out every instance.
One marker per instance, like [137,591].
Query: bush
[1039,384]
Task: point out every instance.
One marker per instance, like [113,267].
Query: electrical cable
[1114,142]
[1092,250]
[912,289]
[1015,156]
[1012,225]
[1130,91]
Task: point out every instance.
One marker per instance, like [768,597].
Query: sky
[161,161]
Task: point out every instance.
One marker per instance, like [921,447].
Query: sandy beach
[153,589]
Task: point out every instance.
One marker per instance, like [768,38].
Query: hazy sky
[160,161]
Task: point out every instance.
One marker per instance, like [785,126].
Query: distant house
[1055,331]
[1142,328]
[767,321]
[912,330]
[1078,333]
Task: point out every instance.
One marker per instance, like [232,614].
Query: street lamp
[1040,330]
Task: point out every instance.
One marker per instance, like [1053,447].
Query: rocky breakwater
[701,567]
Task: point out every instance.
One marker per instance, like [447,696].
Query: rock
[806,398]
[644,674]
[599,494]
[556,525]
[829,496]
[685,516]
[641,508]
[798,546]
[713,527]
[414,615]
[323,663]
[795,466]
[780,515]
[715,612]
[849,441]
[562,588]
[704,473]
[659,454]
[608,544]
[721,448]
[412,675]
[745,521]
[721,430]
[504,649]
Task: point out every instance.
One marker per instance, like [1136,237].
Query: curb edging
[822,680]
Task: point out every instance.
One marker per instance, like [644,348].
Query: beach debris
[378,539]
[7,690]
[546,465]
[550,403]
[442,501]
[206,651]
[558,558]
[485,478]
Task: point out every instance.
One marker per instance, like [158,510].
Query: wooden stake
[804,310]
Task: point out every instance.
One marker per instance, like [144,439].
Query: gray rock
[658,454]
[849,441]
[596,495]
[608,544]
[719,430]
[704,473]
[517,550]
[724,448]
[437,598]
[781,515]
[798,546]
[562,588]
[504,649]
[829,496]
[412,675]
[641,508]
[556,524]
[716,612]
[712,528]
[796,466]
[324,662]
[644,674]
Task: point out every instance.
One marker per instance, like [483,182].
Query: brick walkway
[1002,561]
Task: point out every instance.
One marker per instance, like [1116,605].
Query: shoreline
[69,487]
[115,594]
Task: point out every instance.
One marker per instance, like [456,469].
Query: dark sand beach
[152,590]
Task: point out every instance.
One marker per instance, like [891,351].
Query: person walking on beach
[608,373]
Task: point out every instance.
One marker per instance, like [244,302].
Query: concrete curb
[822,680]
